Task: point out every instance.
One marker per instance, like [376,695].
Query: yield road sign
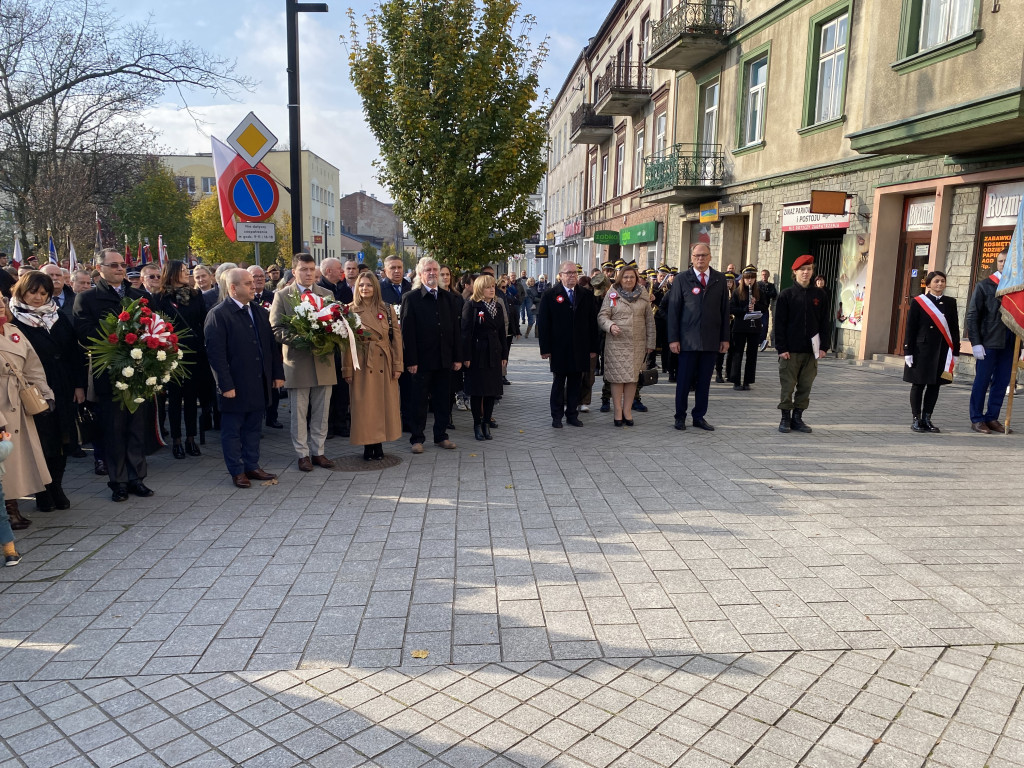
[253,195]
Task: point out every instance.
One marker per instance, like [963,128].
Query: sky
[253,33]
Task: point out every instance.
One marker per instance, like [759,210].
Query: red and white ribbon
[936,315]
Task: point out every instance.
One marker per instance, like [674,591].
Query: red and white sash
[936,315]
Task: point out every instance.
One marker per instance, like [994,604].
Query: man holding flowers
[308,377]
[123,430]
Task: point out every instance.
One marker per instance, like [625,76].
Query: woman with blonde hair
[485,352]
[373,388]
[627,319]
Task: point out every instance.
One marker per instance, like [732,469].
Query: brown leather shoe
[323,461]
[448,444]
[259,474]
[305,464]
[241,481]
[417,447]
[980,426]
[997,426]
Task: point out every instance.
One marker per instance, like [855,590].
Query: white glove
[910,360]
[979,352]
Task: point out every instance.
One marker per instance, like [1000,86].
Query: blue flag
[53,252]
[1011,284]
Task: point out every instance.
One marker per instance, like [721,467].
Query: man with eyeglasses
[568,334]
[123,432]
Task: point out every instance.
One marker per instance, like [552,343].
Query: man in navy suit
[393,287]
[246,365]
[698,330]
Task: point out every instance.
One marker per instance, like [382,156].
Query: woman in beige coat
[373,389]
[628,322]
[26,468]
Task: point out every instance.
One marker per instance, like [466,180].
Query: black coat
[91,306]
[340,290]
[189,317]
[431,330]
[265,299]
[388,293]
[211,297]
[698,318]
[923,340]
[65,364]
[800,314]
[568,332]
[236,360]
[984,319]
[738,308]
[484,345]
[67,308]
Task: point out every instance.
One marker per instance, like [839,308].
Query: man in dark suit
[568,334]
[247,366]
[265,298]
[332,277]
[393,286]
[698,331]
[63,296]
[123,432]
[432,348]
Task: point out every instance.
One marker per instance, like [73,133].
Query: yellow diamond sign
[252,140]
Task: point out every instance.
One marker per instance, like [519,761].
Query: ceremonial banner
[1011,284]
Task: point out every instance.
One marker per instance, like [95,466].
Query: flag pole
[1013,383]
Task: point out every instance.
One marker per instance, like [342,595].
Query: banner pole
[1013,382]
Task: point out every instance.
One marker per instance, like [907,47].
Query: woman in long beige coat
[627,319]
[25,470]
[373,389]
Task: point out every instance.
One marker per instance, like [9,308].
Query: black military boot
[926,422]
[784,423]
[798,421]
[917,425]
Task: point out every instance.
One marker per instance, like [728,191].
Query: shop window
[825,94]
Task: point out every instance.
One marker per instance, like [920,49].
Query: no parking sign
[254,195]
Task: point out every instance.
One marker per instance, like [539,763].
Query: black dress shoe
[101,467]
[628,422]
[178,451]
[478,432]
[139,489]
[191,448]
[574,422]
[680,424]
[703,424]
[556,423]
[617,422]
[275,424]
[119,492]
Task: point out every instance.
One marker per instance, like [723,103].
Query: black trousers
[124,441]
[434,386]
[565,394]
[337,418]
[407,400]
[483,409]
[923,398]
[741,342]
[695,368]
[183,397]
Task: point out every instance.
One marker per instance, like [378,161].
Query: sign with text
[640,233]
[256,232]
[797,217]
[1002,202]
[920,214]
[606,237]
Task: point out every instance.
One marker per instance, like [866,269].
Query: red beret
[803,261]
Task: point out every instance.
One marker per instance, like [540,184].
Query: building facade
[368,219]
[321,228]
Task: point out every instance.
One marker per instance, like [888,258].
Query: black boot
[368,453]
[926,422]
[60,499]
[44,501]
[486,429]
[478,432]
[917,425]
[784,423]
[798,421]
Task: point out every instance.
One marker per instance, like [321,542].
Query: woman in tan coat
[26,468]
[628,322]
[376,414]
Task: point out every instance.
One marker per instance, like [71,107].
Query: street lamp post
[292,11]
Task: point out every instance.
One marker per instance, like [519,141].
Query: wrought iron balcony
[588,127]
[689,34]
[684,173]
[623,89]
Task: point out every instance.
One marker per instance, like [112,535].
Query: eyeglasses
[114,265]
[573,272]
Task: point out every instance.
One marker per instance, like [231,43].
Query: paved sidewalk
[593,596]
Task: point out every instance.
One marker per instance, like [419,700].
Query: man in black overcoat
[697,327]
[247,366]
[123,432]
[432,349]
[568,334]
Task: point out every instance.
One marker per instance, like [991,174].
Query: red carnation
[146,321]
[152,343]
[112,338]
[143,302]
[124,317]
[169,328]
[359,331]
[146,312]
[344,310]
[173,338]
[130,338]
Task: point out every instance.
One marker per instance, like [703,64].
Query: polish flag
[73,257]
[16,259]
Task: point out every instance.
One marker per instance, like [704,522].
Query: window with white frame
[593,184]
[754,107]
[944,20]
[660,134]
[209,184]
[709,112]
[638,159]
[604,178]
[620,167]
[831,69]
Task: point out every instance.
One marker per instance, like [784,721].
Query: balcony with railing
[623,89]
[588,127]
[690,33]
[683,173]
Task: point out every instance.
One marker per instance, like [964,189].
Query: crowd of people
[428,344]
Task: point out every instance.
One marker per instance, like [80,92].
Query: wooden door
[911,270]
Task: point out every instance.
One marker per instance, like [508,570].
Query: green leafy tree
[370,256]
[211,245]
[155,206]
[450,93]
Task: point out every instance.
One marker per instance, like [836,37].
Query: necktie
[570,292]
[433,293]
[703,281]
[307,291]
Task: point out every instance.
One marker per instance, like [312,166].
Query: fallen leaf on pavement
[420,654]
[271,482]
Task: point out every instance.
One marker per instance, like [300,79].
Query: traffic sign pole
[258,255]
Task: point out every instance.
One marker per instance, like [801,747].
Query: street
[585,597]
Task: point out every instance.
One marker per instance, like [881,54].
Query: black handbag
[85,422]
[648,377]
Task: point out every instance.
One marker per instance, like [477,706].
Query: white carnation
[174,364]
[160,355]
[127,371]
[166,378]
[181,353]
[151,381]
[140,399]
[136,354]
[121,385]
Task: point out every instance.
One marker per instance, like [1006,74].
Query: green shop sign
[641,233]
[606,237]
